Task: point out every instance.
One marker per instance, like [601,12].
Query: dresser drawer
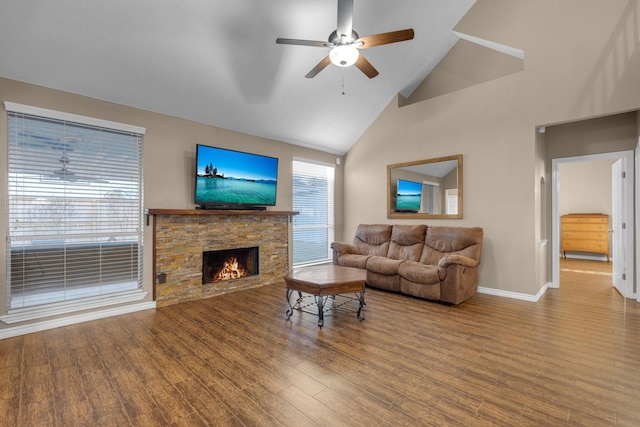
[585,235]
[571,226]
[586,246]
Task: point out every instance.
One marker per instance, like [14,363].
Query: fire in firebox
[231,270]
[229,264]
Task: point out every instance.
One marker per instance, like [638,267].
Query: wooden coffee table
[323,281]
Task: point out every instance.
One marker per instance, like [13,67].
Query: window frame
[311,225]
[19,314]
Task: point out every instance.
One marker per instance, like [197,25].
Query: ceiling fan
[345,43]
[66,175]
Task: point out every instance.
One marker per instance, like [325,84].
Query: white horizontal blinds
[75,210]
[313,197]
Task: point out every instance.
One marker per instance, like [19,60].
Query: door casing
[627,210]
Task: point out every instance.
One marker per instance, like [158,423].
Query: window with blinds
[74,207]
[313,227]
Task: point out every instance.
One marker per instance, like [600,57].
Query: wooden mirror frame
[422,164]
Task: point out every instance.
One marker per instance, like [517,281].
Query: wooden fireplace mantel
[219,212]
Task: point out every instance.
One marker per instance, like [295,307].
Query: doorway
[622,219]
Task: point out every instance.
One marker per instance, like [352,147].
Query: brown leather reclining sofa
[431,262]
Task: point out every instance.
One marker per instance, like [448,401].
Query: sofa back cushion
[373,239]
[441,241]
[407,242]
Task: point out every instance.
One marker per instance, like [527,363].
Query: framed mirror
[430,188]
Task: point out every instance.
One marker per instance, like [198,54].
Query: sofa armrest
[461,260]
[344,248]
[341,248]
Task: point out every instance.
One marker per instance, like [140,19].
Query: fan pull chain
[343,81]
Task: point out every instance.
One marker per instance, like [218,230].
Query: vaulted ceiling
[216,61]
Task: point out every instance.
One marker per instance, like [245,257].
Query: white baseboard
[514,295]
[15,331]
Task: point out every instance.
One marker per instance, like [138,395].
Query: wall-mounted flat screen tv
[228,179]
[409,196]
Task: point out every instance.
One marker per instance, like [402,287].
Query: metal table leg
[360,297]
[320,302]
[289,312]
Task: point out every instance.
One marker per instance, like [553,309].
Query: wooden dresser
[585,232]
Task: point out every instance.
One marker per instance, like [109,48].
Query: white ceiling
[216,61]
[438,169]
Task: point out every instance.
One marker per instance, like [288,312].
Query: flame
[231,270]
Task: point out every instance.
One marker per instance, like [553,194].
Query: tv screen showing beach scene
[231,178]
[409,195]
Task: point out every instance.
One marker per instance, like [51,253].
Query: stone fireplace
[182,237]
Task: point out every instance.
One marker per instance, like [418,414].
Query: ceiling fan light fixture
[344,55]
[344,42]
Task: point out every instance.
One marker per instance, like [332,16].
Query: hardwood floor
[573,358]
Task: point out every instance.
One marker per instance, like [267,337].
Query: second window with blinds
[313,198]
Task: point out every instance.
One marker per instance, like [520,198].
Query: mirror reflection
[430,188]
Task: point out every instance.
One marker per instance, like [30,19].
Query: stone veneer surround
[180,237]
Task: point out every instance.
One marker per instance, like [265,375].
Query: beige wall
[585,187]
[169,155]
[616,132]
[582,60]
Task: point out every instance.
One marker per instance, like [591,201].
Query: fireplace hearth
[229,264]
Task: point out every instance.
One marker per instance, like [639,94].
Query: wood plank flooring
[573,358]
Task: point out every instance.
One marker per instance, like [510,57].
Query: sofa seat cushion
[420,290]
[383,281]
[353,260]
[383,265]
[419,273]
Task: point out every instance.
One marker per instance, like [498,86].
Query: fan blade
[345,18]
[386,38]
[299,42]
[321,66]
[365,66]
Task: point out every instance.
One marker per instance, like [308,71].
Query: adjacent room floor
[573,358]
